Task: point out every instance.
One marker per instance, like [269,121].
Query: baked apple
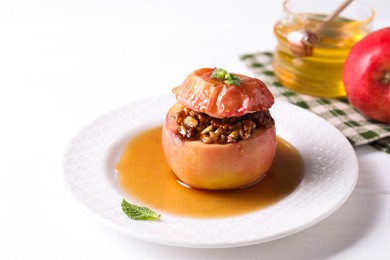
[220,134]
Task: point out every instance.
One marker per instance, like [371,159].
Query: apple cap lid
[214,97]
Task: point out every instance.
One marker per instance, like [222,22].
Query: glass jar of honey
[319,72]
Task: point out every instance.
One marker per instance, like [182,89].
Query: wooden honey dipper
[301,43]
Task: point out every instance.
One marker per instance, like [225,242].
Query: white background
[65,63]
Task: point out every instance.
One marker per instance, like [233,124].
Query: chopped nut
[232,137]
[199,126]
[207,129]
[189,133]
[234,134]
[218,131]
[191,122]
[180,116]
[182,130]
[206,139]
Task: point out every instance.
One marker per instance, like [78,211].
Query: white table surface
[65,63]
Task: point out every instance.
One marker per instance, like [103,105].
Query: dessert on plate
[220,134]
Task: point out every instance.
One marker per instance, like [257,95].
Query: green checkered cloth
[356,128]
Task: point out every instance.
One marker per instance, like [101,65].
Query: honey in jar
[320,73]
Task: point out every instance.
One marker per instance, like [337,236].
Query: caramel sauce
[144,175]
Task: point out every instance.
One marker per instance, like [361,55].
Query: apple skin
[218,166]
[214,97]
[366,75]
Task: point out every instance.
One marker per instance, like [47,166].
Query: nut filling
[200,126]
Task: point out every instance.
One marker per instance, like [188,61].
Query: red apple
[216,166]
[366,75]
[220,166]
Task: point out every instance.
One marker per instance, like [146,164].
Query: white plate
[331,172]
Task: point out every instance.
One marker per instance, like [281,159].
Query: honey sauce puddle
[144,175]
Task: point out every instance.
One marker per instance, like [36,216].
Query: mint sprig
[136,212]
[225,76]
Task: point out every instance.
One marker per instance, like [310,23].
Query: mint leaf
[218,74]
[225,76]
[138,212]
[233,81]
